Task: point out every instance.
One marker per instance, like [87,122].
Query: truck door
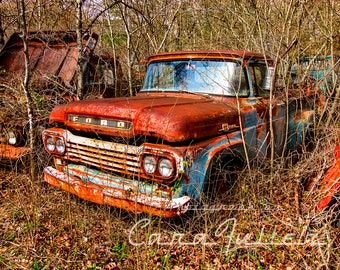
[260,81]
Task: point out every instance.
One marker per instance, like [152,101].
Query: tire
[222,180]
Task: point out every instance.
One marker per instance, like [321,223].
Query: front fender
[199,171]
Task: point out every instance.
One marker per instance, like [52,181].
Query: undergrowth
[265,224]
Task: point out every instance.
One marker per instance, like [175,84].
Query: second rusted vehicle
[322,71]
[196,114]
[53,65]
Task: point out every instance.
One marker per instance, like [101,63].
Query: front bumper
[118,197]
[11,152]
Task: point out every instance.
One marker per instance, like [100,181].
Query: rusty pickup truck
[159,151]
[53,57]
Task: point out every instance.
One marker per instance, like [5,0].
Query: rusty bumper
[12,152]
[121,198]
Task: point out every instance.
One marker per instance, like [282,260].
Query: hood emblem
[226,127]
[98,121]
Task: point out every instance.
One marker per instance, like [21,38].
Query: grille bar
[105,155]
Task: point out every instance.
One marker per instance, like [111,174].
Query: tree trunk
[25,87]
[2,34]
[80,85]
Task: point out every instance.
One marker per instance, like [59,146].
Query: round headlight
[165,167]
[60,146]
[149,164]
[12,138]
[50,144]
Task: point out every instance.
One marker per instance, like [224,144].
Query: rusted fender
[330,184]
[10,152]
[203,158]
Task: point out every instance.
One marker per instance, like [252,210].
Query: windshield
[197,76]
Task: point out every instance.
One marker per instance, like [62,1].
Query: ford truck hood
[174,118]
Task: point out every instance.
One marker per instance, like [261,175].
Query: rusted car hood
[174,118]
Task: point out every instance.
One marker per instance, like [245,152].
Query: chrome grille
[104,155]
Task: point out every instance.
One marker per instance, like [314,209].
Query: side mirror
[268,79]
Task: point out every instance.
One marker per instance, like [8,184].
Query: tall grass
[252,228]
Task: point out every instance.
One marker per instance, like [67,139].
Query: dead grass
[265,225]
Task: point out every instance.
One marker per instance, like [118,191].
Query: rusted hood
[173,118]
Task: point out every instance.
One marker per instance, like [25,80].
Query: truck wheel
[222,179]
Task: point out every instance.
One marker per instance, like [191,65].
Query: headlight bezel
[159,161]
[55,145]
[12,138]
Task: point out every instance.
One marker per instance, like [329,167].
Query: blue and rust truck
[157,152]
[322,71]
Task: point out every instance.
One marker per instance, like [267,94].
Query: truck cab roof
[246,55]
